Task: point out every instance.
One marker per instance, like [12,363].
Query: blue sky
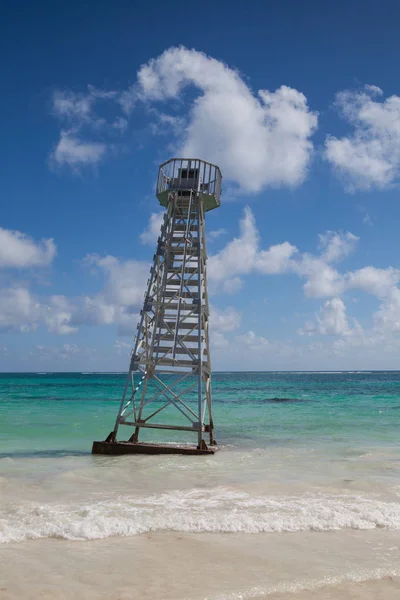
[299,104]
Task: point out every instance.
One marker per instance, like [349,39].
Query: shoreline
[169,566]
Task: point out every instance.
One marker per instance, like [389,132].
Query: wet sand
[360,565]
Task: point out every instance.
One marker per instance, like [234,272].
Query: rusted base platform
[118,448]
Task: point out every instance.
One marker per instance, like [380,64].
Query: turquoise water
[65,412]
[304,491]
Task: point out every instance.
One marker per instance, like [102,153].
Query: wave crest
[218,510]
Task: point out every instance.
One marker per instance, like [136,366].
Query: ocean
[302,498]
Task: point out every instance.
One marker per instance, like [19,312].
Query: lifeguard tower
[169,381]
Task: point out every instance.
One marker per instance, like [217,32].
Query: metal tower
[169,380]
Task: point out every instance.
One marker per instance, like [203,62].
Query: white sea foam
[196,510]
[309,584]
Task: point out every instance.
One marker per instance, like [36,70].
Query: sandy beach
[331,565]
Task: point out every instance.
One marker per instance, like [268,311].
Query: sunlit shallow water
[307,461]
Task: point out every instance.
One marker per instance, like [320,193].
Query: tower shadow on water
[169,381]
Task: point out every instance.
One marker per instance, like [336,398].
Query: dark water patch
[278,400]
[44,453]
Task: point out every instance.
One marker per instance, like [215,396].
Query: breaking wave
[217,510]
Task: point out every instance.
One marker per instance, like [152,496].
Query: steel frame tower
[170,364]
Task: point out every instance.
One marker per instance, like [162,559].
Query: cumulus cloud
[332,320]
[214,234]
[71,106]
[125,280]
[321,278]
[22,311]
[370,156]
[238,256]
[19,251]
[117,303]
[74,152]
[121,296]
[378,282]
[224,320]
[152,231]
[243,255]
[57,315]
[336,246]
[387,318]
[253,341]
[75,148]
[19,311]
[62,353]
[257,139]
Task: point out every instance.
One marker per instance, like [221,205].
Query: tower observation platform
[168,387]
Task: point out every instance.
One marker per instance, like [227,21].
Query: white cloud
[242,255]
[216,233]
[378,282]
[277,259]
[336,246]
[121,297]
[218,340]
[252,340]
[257,140]
[117,303]
[238,256]
[125,280]
[232,285]
[332,319]
[19,311]
[75,152]
[58,315]
[120,124]
[370,157]
[166,124]
[367,220]
[121,347]
[321,278]
[65,352]
[77,111]
[224,320]
[152,231]
[387,318]
[17,250]
[71,106]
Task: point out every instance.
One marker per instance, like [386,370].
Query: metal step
[160,426]
[166,337]
[178,350]
[186,282]
[188,251]
[174,270]
[184,228]
[172,294]
[175,363]
[182,306]
[180,239]
[184,325]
